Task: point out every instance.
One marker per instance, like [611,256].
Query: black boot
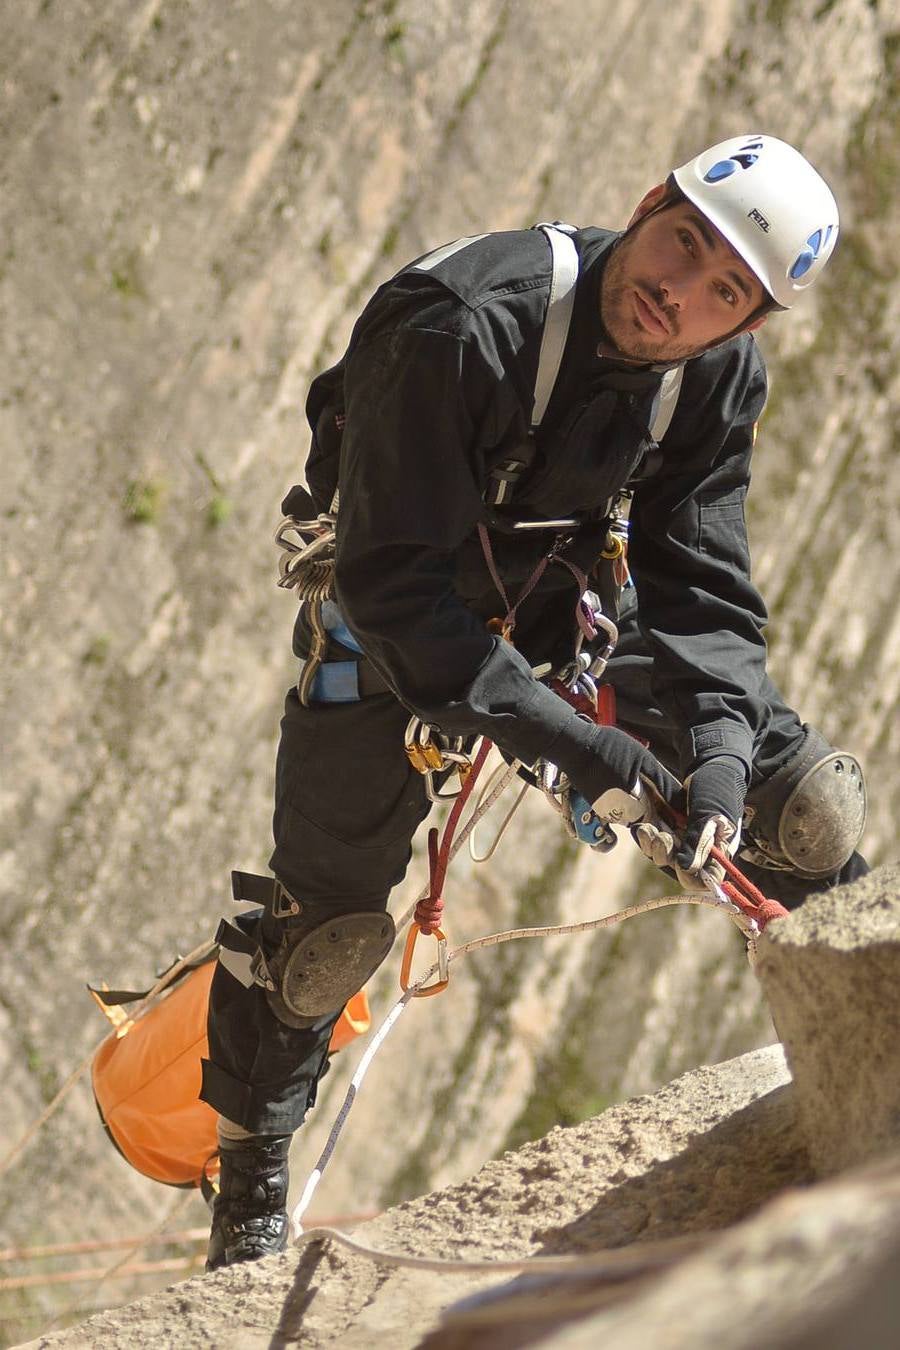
[249,1215]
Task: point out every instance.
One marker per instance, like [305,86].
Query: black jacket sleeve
[419,404]
[690,560]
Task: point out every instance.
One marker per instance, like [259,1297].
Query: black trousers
[347,804]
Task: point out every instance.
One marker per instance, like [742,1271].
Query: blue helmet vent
[745,158]
[808,254]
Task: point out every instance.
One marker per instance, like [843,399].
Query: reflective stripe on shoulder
[447,251]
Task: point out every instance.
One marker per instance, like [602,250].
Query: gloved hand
[715,795]
[715,799]
[617,776]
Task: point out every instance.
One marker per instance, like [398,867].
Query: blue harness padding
[333,621]
[336,681]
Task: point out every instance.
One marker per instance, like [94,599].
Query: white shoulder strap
[559,316]
[668,400]
[446,251]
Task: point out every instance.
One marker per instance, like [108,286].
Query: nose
[674,292]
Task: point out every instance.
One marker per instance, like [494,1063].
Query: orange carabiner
[443,970]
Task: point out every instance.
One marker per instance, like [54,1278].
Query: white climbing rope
[486,792]
[620,1263]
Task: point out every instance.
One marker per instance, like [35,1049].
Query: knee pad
[317,969]
[809,815]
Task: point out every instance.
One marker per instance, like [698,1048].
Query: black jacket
[435,389]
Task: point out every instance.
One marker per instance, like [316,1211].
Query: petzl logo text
[759,218]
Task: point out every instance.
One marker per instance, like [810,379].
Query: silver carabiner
[588,686]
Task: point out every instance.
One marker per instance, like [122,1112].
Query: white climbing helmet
[772,207]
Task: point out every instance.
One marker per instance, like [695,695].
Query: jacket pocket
[722,528]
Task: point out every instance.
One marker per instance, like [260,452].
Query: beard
[620,321]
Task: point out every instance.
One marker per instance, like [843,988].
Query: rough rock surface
[704,1190]
[830,973]
[813,1270]
[700,1154]
[195,200]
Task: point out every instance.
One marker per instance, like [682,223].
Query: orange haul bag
[146,1075]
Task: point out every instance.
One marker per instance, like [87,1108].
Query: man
[424,436]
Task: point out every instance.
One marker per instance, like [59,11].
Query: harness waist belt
[345,682]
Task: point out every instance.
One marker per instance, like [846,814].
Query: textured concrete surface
[831,974]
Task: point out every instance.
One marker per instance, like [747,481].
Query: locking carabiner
[430,754]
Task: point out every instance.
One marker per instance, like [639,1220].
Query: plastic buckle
[260,971]
[284,906]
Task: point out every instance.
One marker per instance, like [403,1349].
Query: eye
[727,294]
[688,241]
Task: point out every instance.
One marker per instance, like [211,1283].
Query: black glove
[609,758]
[715,801]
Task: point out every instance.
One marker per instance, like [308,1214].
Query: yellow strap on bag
[146,1076]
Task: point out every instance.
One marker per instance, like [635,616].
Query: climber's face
[673,286]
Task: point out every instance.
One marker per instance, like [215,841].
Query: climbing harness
[307,540]
[307,567]
[505,477]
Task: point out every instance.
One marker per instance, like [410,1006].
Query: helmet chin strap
[671,197]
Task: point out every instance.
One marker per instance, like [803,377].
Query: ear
[647,203]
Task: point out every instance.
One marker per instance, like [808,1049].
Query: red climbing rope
[742,892]
[737,888]
[428,911]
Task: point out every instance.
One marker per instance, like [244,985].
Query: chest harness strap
[307,564]
[557,321]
